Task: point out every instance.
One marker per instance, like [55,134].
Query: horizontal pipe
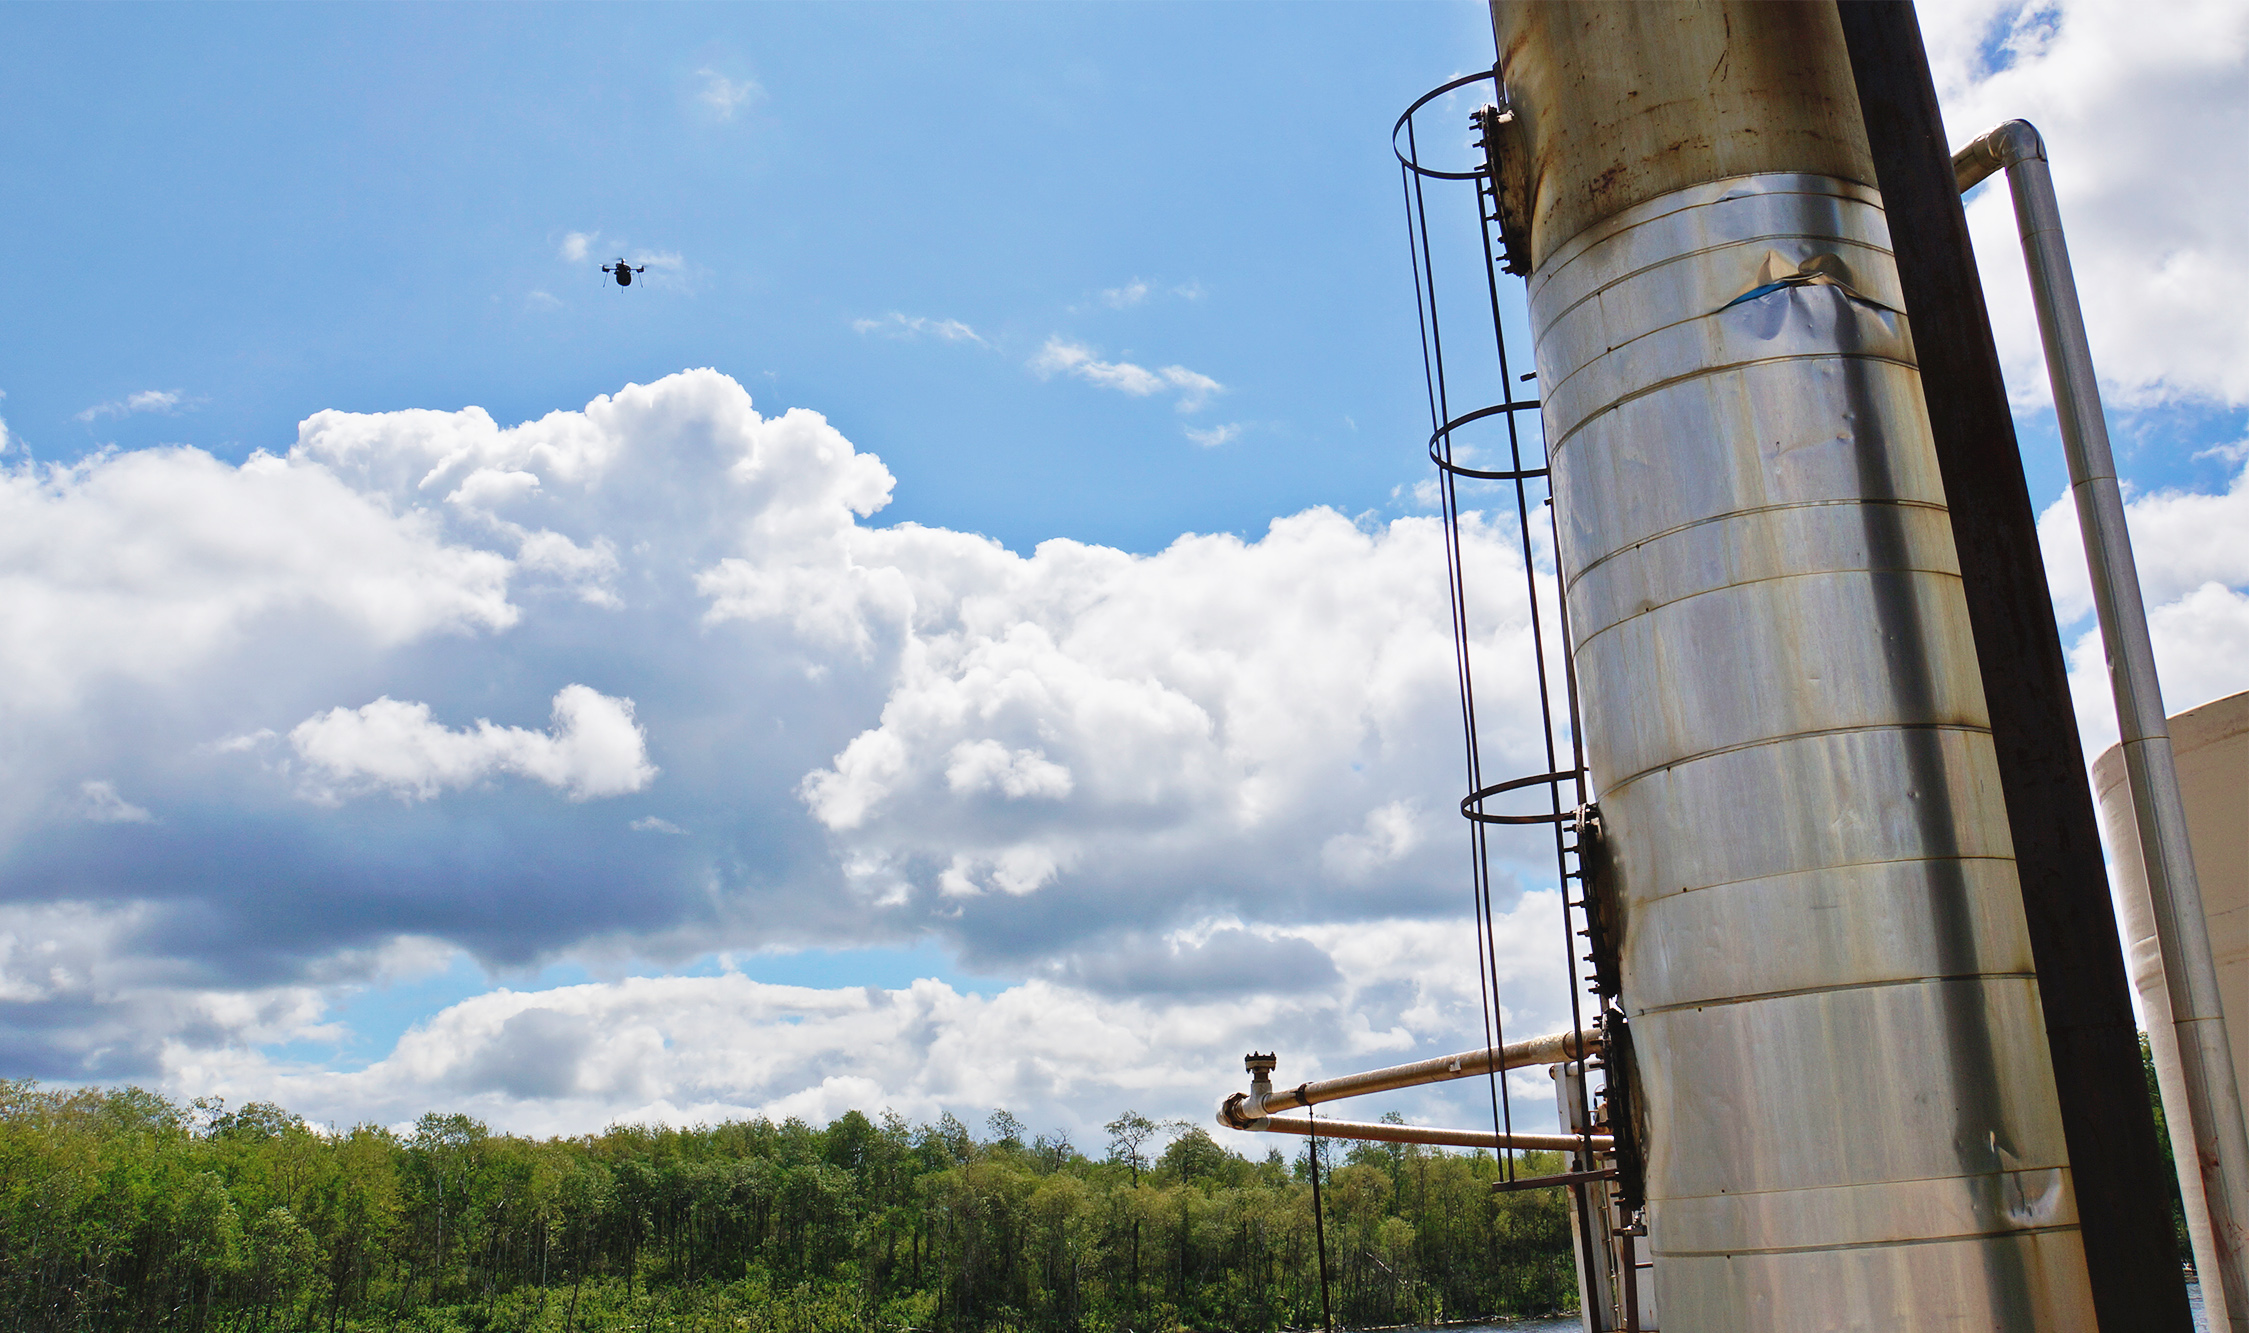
[1552,1049]
[1552,1182]
[1383,1132]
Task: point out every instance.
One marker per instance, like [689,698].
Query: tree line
[120,1209]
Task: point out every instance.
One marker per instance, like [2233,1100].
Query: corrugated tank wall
[1842,1069]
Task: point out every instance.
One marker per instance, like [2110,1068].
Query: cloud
[2181,540]
[1194,389]
[896,325]
[103,805]
[2158,225]
[725,96]
[2192,549]
[1077,768]
[1158,1025]
[1050,714]
[1177,803]
[593,750]
[1213,959]
[166,401]
[1125,297]
[1391,833]
[1137,292]
[141,565]
[1061,356]
[87,1000]
[1214,436]
[987,765]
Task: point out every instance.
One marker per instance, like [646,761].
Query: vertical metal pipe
[2083,989]
[1628,1264]
[1319,1220]
[2213,1110]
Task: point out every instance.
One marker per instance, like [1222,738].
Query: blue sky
[369,746]
[269,211]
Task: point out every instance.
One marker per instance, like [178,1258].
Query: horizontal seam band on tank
[1653,607]
[1653,899]
[1777,1191]
[1885,983]
[1578,246]
[1682,257]
[2004,1233]
[1753,511]
[1565,255]
[1549,391]
[1554,450]
[1682,761]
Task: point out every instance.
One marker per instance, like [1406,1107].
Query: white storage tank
[2211,747]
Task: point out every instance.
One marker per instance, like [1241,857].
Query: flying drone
[623,271]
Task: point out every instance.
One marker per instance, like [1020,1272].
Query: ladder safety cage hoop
[1501,412]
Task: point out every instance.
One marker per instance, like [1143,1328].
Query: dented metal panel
[1850,1105]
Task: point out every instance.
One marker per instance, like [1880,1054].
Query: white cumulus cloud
[594,749]
[1108,774]
[2126,96]
[1050,714]
[141,564]
[987,765]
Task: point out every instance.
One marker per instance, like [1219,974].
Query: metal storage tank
[1842,1072]
[2210,744]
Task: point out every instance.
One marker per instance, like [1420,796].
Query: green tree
[281,1267]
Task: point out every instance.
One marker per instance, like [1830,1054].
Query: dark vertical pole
[2118,1175]
[1319,1217]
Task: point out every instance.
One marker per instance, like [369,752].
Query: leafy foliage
[120,1210]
